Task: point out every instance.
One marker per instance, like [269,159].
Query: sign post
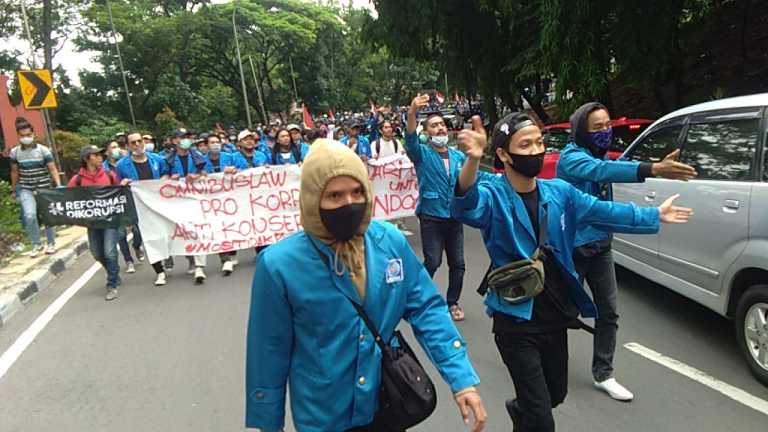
[37,89]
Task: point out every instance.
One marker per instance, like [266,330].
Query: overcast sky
[74,61]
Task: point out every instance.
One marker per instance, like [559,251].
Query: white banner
[256,207]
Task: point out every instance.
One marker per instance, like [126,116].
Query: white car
[720,258]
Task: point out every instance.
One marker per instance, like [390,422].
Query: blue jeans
[448,235]
[29,216]
[103,245]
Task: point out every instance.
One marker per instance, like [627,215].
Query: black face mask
[343,222]
[527,165]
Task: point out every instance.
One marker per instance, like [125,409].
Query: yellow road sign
[37,89]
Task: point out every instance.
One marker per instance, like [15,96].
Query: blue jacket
[492,206]
[227,159]
[278,159]
[195,163]
[127,170]
[258,158]
[228,148]
[107,167]
[594,176]
[302,329]
[436,188]
[363,145]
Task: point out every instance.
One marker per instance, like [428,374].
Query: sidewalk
[23,277]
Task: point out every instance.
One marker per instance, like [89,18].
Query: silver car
[720,258]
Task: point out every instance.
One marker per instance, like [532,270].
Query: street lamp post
[120,63]
[240,64]
[258,92]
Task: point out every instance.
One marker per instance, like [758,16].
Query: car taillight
[634,126]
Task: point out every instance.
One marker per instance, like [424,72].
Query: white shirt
[387,148]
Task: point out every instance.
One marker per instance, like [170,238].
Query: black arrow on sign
[42,88]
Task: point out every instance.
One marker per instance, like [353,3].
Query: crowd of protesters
[559,229]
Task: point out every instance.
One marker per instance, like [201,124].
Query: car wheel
[752,330]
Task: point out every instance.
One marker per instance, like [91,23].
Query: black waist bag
[407,395]
[520,280]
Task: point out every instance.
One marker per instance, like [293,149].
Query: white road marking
[726,389]
[12,354]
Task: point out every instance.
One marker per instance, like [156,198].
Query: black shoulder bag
[407,395]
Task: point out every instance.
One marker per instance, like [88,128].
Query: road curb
[21,293]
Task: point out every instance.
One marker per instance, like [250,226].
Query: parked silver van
[720,258]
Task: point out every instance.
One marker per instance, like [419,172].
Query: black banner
[92,207]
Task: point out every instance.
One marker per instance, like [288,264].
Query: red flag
[308,122]
[331,117]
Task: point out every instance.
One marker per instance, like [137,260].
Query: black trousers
[538,365]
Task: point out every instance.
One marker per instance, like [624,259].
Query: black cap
[507,126]
[180,132]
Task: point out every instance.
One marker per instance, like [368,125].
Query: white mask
[26,140]
[439,140]
[214,148]
[149,147]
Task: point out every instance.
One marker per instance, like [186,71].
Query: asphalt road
[172,359]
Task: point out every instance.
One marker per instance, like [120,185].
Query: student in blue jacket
[249,152]
[358,143]
[510,209]
[286,150]
[140,165]
[437,168]
[186,162]
[219,161]
[303,328]
[583,164]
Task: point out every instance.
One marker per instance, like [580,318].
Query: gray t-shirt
[33,166]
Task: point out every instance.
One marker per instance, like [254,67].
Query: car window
[623,137]
[556,139]
[656,145]
[722,150]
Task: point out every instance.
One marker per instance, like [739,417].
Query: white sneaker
[160,279]
[199,275]
[227,268]
[615,390]
[51,249]
[35,251]
[130,268]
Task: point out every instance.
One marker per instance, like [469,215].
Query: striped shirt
[33,166]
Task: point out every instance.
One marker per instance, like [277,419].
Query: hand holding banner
[255,207]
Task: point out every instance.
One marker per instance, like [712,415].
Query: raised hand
[475,140]
[419,101]
[670,168]
[672,214]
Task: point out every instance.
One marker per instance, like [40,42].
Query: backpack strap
[78,180]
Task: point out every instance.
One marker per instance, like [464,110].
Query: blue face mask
[602,139]
[185,144]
